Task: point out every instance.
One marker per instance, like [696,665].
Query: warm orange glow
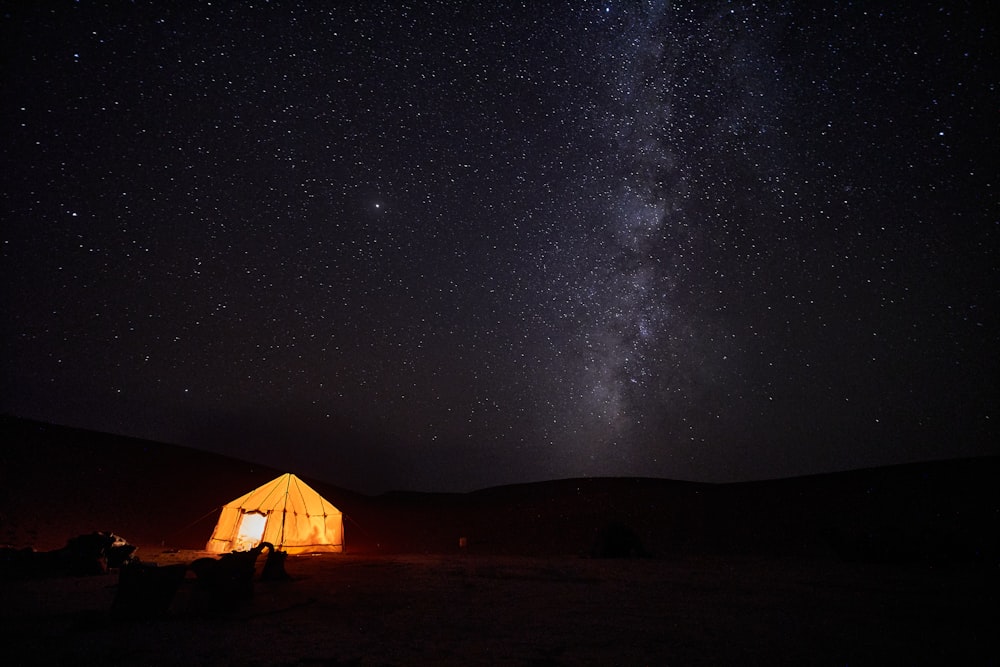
[286,512]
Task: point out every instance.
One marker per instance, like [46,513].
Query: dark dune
[887,566]
[56,482]
[945,511]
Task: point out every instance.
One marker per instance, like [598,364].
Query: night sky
[441,246]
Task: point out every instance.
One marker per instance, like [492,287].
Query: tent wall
[225,530]
[305,534]
[299,520]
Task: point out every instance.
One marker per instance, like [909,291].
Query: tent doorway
[250,532]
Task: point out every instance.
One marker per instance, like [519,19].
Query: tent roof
[286,492]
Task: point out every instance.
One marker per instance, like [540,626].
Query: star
[601,228]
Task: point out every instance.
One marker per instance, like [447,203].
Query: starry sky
[449,245]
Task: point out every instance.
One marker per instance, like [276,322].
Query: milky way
[428,246]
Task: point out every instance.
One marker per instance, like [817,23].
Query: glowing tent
[286,512]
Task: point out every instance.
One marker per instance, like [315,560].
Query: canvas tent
[286,512]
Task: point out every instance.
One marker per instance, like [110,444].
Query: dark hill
[56,482]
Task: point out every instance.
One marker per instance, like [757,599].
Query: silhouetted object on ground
[113,550]
[226,582]
[83,555]
[119,555]
[18,563]
[146,590]
[274,566]
[616,540]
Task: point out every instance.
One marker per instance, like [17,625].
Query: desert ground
[880,567]
[466,609]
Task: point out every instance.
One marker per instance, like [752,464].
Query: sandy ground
[467,609]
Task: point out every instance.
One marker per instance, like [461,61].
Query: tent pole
[284,511]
